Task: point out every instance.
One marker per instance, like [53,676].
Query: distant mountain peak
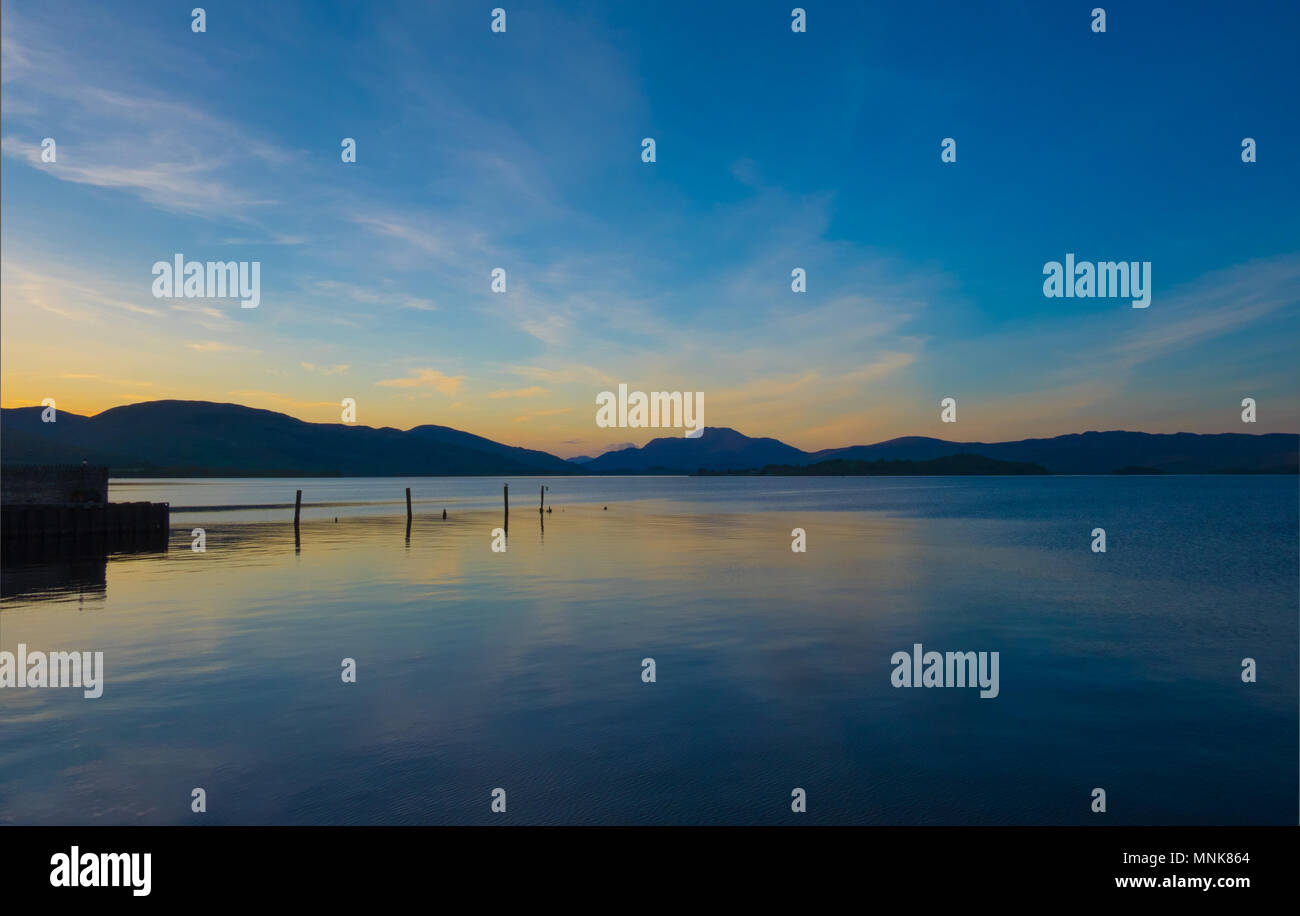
[210,438]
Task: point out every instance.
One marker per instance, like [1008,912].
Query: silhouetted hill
[454,437]
[948,465]
[1104,452]
[717,448]
[1081,453]
[201,438]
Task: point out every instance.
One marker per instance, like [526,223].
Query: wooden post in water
[505,494]
[408,513]
[542,501]
[297,509]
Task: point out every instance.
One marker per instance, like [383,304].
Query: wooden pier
[44,503]
[133,521]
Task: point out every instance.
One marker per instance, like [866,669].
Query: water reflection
[523,668]
[51,567]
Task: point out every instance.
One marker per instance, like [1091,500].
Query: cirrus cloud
[426,378]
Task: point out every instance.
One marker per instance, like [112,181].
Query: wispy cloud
[188,186]
[532,392]
[372,296]
[287,402]
[570,373]
[326,370]
[125,135]
[269,239]
[426,378]
[215,346]
[446,244]
[1219,303]
[72,295]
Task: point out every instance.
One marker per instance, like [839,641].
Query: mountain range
[201,438]
[720,449]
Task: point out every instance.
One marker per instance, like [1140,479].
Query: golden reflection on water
[479,668]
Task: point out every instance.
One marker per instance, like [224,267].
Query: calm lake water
[522,670]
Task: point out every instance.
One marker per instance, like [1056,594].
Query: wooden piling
[408,507]
[297,509]
[542,499]
[505,495]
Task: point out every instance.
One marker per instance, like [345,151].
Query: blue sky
[775,150]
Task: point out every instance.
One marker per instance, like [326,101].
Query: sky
[775,150]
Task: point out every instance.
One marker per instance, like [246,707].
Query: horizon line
[637,447]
